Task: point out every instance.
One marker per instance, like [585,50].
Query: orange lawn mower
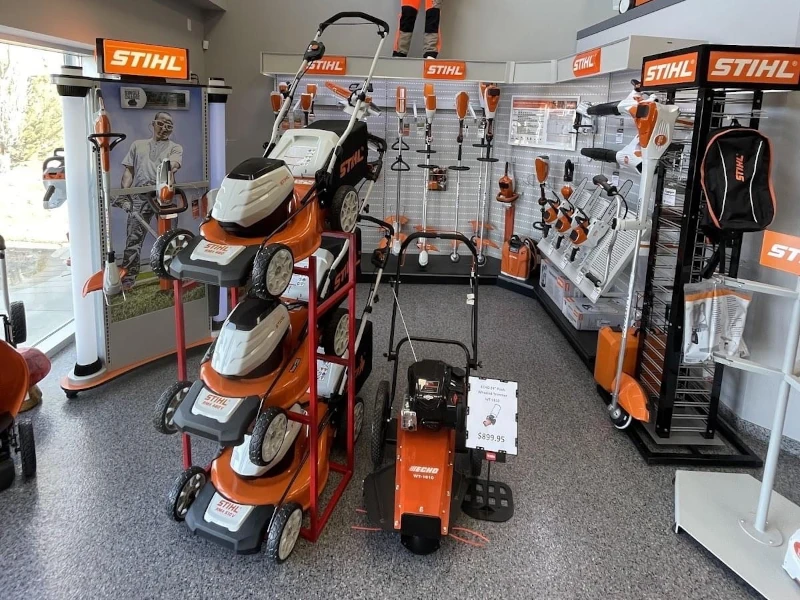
[419,494]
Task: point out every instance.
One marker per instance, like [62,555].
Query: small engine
[436,396]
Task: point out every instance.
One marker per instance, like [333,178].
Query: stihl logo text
[671,70]
[587,63]
[228,509]
[754,68]
[215,402]
[444,69]
[740,167]
[782,252]
[351,163]
[130,58]
[145,60]
[332,65]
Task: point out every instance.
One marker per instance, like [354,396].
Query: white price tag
[615,178]
[564,261]
[669,196]
[580,277]
[620,136]
[492,418]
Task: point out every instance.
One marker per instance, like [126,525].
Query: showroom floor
[592,520]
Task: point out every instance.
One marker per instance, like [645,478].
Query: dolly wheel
[19,326]
[620,418]
[336,332]
[344,209]
[184,491]
[380,414]
[27,448]
[167,404]
[166,248]
[284,531]
[272,271]
[268,435]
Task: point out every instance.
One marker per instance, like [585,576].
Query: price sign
[492,415]
[669,196]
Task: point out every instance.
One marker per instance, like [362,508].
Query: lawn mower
[419,494]
[270,212]
[259,485]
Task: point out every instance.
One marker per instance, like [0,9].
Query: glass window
[31,131]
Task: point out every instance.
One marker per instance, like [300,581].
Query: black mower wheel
[27,448]
[284,531]
[420,546]
[380,416]
[164,250]
[19,326]
[167,404]
[475,463]
[344,209]
[336,332]
[272,271]
[268,434]
[341,425]
[184,491]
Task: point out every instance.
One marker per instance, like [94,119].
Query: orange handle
[430,103]
[277,100]
[305,102]
[462,105]
[428,90]
[311,88]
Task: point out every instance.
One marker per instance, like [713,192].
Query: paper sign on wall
[492,416]
[543,122]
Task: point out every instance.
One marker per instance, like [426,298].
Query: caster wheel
[27,448]
[335,333]
[381,411]
[344,209]
[284,531]
[70,394]
[420,545]
[621,419]
[167,404]
[272,271]
[268,435]
[184,491]
[166,248]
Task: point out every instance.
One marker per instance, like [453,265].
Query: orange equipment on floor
[517,252]
[609,342]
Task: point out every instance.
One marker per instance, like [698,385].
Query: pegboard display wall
[441,205]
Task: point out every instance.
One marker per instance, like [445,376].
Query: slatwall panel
[441,207]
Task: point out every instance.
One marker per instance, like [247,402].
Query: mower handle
[382,224]
[457,237]
[607,109]
[600,154]
[383,26]
[119,137]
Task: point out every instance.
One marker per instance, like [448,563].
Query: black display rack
[719,84]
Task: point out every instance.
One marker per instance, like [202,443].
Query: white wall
[149,21]
[471,29]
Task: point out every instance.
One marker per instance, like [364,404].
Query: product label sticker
[670,195]
[615,178]
[227,514]
[492,415]
[214,406]
[219,254]
[620,139]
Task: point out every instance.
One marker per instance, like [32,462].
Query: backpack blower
[517,252]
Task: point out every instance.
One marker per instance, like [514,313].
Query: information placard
[543,122]
[492,415]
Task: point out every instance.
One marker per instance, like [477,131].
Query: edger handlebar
[442,236]
[607,109]
[383,26]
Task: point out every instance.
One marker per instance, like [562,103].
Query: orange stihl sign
[671,70]
[142,60]
[781,252]
[329,65]
[749,67]
[444,69]
[587,63]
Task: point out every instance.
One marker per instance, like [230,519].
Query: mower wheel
[167,404]
[272,271]
[184,491]
[344,209]
[380,416]
[27,448]
[336,332]
[19,326]
[284,531]
[358,423]
[268,435]
[475,463]
[164,250]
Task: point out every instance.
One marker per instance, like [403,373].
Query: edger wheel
[272,271]
[19,326]
[165,249]
[336,333]
[380,414]
[27,448]
[167,404]
[284,531]
[268,434]
[344,209]
[184,491]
